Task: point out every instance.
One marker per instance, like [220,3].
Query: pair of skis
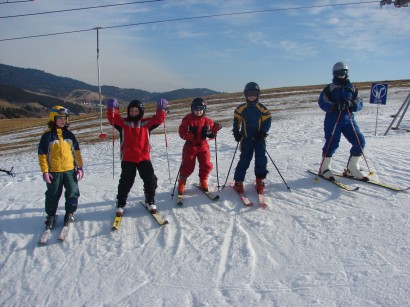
[247,202]
[350,188]
[158,218]
[212,196]
[46,235]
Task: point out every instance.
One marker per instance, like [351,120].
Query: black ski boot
[50,221]
[68,218]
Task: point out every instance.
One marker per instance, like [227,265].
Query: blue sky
[275,49]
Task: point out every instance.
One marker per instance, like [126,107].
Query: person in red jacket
[135,148]
[194,129]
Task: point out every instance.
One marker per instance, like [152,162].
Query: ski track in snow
[315,246]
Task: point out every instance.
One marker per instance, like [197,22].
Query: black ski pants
[128,173]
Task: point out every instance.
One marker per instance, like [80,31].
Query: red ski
[244,198]
[261,198]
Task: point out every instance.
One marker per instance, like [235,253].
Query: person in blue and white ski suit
[339,100]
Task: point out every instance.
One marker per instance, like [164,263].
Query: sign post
[378,95]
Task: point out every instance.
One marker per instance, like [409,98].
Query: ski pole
[278,171]
[358,140]
[216,162]
[237,145]
[166,148]
[330,141]
[176,179]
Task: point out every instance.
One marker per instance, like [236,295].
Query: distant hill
[20,103]
[23,87]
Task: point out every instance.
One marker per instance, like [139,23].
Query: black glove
[333,107]
[341,105]
[237,135]
[344,104]
[193,130]
[260,135]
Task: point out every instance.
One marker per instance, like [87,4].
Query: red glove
[47,177]
[189,136]
[215,128]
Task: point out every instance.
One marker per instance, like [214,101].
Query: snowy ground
[316,246]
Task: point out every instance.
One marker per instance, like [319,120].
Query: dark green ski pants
[67,180]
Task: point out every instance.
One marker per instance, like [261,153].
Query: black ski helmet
[135,104]
[251,87]
[198,103]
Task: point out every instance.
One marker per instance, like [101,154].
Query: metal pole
[330,141]
[234,154]
[283,179]
[102,134]
[166,147]
[175,184]
[404,112]
[358,140]
[113,124]
[397,114]
[377,116]
[216,162]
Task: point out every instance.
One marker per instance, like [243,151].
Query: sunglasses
[341,73]
[61,111]
[199,108]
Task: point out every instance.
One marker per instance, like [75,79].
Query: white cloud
[297,50]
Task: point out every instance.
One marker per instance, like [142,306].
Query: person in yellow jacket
[61,164]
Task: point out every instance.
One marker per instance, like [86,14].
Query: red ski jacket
[200,126]
[135,146]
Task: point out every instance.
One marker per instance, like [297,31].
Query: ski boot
[325,170]
[181,185]
[204,184]
[353,168]
[120,207]
[119,212]
[68,218]
[50,221]
[150,203]
[260,185]
[239,187]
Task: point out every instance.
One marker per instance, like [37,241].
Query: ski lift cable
[193,18]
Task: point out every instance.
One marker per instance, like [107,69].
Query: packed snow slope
[314,246]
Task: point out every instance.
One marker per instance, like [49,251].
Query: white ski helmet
[341,70]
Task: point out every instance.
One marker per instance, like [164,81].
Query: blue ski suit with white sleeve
[341,122]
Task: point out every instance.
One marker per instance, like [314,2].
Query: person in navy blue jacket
[339,100]
[251,124]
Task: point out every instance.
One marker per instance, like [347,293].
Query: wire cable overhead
[193,18]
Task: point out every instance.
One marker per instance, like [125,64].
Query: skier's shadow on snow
[308,182]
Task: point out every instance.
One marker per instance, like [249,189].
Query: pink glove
[47,177]
[189,136]
[79,173]
[215,128]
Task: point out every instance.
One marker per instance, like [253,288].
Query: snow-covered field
[316,246]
